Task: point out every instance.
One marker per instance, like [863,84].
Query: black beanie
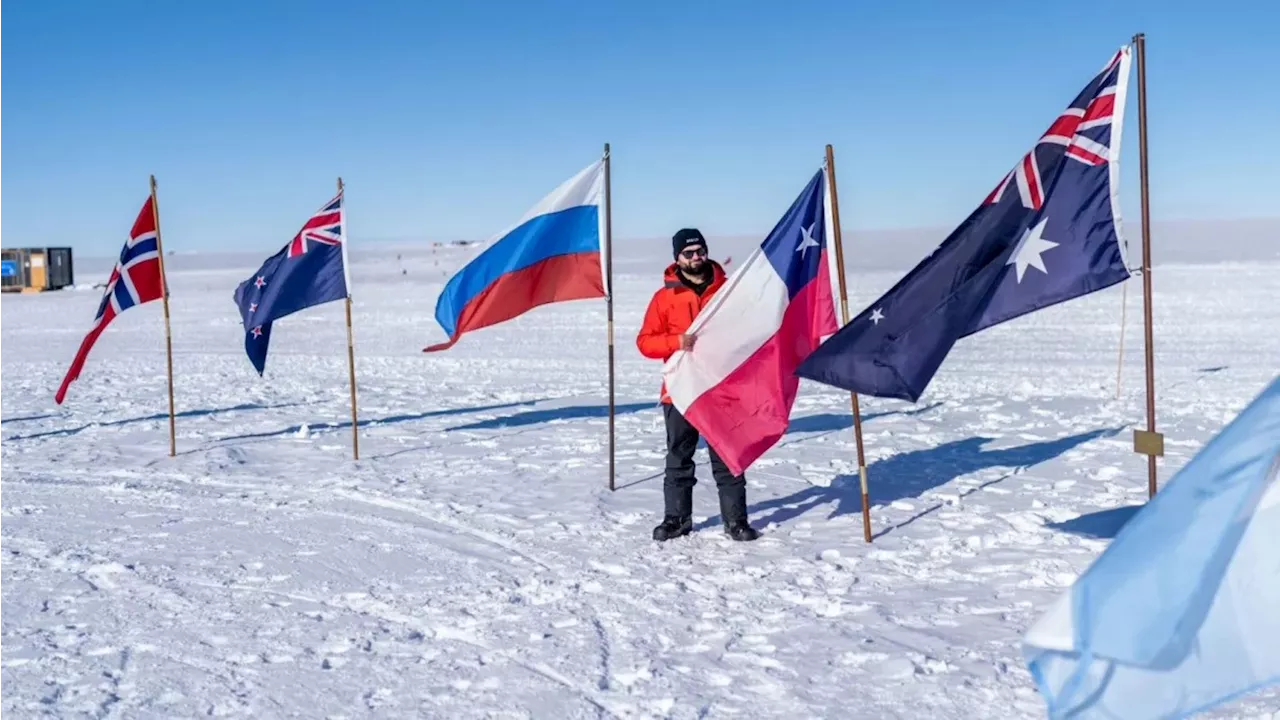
[684,238]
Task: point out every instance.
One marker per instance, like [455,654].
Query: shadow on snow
[911,474]
[1103,524]
[827,423]
[821,423]
[572,412]
[27,418]
[390,420]
[147,418]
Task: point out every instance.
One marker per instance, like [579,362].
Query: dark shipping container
[60,273]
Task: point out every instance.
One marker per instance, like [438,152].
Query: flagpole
[608,271]
[164,296]
[844,320]
[351,350]
[1148,442]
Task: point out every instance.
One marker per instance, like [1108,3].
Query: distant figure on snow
[688,284]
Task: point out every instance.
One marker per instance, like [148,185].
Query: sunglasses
[693,253]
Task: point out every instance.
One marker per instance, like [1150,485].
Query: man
[689,284]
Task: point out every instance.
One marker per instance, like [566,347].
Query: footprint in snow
[608,568]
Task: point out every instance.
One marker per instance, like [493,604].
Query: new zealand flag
[1046,234]
[310,270]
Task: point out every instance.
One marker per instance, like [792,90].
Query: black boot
[672,527]
[677,516]
[733,511]
[741,531]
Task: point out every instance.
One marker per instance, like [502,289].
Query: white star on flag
[1027,253]
[806,241]
[876,316]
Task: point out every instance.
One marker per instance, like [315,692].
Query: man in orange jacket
[688,285]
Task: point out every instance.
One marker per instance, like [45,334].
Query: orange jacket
[671,312]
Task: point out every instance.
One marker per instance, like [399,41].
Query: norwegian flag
[135,279]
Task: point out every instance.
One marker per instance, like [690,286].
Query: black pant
[677,486]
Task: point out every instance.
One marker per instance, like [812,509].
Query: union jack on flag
[135,279]
[311,269]
[324,227]
[1081,133]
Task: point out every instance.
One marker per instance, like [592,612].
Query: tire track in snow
[606,653]
[186,488]
[135,484]
[410,508]
[112,704]
[582,598]
[387,613]
[578,578]
[583,603]
[189,489]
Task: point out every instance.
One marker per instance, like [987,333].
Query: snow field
[473,562]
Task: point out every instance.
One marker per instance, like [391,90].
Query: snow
[473,562]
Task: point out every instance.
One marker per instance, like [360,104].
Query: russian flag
[551,255]
[738,383]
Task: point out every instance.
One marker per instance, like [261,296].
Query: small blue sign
[8,268]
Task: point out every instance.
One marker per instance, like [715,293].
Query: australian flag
[1046,234]
[310,270]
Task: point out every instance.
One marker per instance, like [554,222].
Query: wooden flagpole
[351,349]
[844,320]
[1146,442]
[608,271]
[164,296]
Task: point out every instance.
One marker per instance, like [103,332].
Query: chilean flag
[551,255]
[738,383]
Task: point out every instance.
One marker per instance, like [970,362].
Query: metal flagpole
[844,320]
[608,271]
[1146,442]
[351,351]
[164,296]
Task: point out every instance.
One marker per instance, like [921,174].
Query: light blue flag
[1182,610]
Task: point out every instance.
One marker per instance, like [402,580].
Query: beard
[694,267]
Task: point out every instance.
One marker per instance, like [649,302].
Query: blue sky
[448,119]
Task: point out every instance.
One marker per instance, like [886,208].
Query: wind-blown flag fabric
[1049,232]
[1181,612]
[136,278]
[737,385]
[551,255]
[310,270]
